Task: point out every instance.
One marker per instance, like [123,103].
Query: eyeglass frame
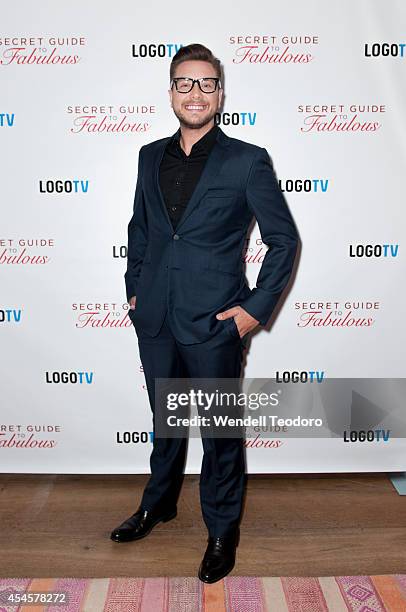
[216,79]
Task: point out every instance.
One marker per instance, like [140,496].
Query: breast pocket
[217,198]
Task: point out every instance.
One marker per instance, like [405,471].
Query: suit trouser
[222,476]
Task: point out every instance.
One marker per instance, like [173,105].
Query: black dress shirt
[179,173]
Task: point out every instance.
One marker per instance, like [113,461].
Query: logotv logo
[385,50]
[315,185]
[374,250]
[370,435]
[7,119]
[63,186]
[300,377]
[155,49]
[242,118]
[69,377]
[134,437]
[10,315]
[120,251]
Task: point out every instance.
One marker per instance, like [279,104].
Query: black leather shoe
[219,558]
[139,525]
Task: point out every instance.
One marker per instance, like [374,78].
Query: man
[192,310]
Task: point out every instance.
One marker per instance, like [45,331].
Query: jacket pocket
[218,192]
[224,267]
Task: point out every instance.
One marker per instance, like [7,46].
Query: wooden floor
[293,525]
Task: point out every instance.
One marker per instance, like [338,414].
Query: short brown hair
[194,51]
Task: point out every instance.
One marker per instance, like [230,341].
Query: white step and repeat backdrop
[83,87]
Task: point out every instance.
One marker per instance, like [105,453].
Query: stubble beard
[194,126]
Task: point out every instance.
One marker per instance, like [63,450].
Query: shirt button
[173,207]
[177,183]
[176,236]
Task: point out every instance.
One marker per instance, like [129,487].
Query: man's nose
[195,88]
[196,97]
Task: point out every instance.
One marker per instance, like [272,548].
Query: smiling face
[195,109]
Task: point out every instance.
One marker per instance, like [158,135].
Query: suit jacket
[196,270]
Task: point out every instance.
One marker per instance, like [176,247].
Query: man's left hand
[244,321]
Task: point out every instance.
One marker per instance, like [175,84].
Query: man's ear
[170,96]
[220,97]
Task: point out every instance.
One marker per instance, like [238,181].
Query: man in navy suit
[196,195]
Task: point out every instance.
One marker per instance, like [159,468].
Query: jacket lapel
[157,163]
[210,170]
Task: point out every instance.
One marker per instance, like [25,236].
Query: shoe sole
[217,579]
[165,519]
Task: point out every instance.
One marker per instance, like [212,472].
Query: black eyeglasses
[186,84]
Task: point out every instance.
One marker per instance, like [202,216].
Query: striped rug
[233,594]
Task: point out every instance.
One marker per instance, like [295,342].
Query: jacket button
[176,236]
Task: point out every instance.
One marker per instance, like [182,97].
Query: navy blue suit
[197,271]
[182,278]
